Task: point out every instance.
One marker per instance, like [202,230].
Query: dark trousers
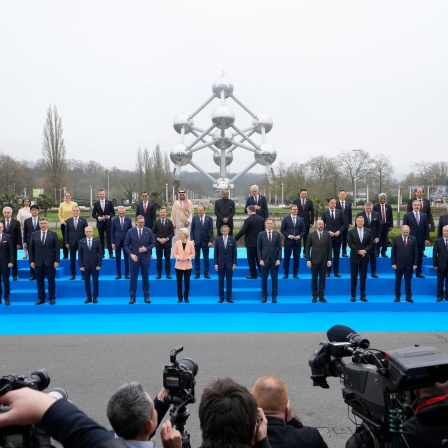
[360,268]
[50,273]
[304,239]
[265,270]
[161,252]
[344,241]
[5,272]
[399,272]
[135,268]
[105,230]
[73,249]
[252,260]
[183,277]
[295,249]
[336,247]
[384,240]
[95,275]
[64,249]
[421,249]
[118,251]
[372,259]
[197,258]
[318,270]
[442,278]
[228,274]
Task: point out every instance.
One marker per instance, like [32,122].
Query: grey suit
[440,261]
[270,253]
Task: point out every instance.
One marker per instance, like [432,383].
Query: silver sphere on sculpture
[183,120]
[222,138]
[266,154]
[222,83]
[181,155]
[223,117]
[262,120]
[223,183]
[228,158]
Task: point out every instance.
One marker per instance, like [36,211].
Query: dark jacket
[166,231]
[201,235]
[90,258]
[389,215]
[306,213]
[318,250]
[97,211]
[263,212]
[14,231]
[334,224]
[269,253]
[150,215]
[401,257]
[374,225]
[252,226]
[355,244]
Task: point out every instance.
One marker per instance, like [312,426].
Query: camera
[377,385]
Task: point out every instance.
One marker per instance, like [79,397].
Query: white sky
[334,75]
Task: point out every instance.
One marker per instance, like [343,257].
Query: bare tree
[381,173]
[355,164]
[324,171]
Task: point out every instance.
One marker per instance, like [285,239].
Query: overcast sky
[334,75]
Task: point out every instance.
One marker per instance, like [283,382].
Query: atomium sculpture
[223,137]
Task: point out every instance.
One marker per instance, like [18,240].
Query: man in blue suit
[404,260]
[259,201]
[418,228]
[225,262]
[90,256]
[293,229]
[120,227]
[440,263]
[201,232]
[138,244]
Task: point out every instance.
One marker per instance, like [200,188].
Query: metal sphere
[217,158]
[183,121]
[222,83]
[181,155]
[223,116]
[222,141]
[223,183]
[261,120]
[266,154]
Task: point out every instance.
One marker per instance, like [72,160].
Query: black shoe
[439,299]
[169,277]
[264,300]
[88,300]
[65,257]
[127,277]
[83,276]
[250,277]
[286,276]
[344,255]
[336,274]
[420,276]
[111,256]
[424,255]
[220,300]
[314,300]
[296,276]
[52,302]
[147,299]
[327,274]
[72,277]
[40,302]
[7,302]
[95,300]
[118,277]
[158,277]
[364,299]
[409,299]
[374,275]
[207,276]
[397,299]
[196,276]
[353,299]
[132,301]
[14,277]
[274,299]
[377,255]
[385,255]
[33,277]
[322,299]
[179,300]
[186,300]
[230,300]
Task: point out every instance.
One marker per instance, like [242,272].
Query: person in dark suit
[120,227]
[387,223]
[6,263]
[443,221]
[419,228]
[269,248]
[11,226]
[440,263]
[372,221]
[306,212]
[103,211]
[163,230]
[293,229]
[318,258]
[225,262]
[252,227]
[90,255]
[346,209]
[139,244]
[259,201]
[404,260]
[74,233]
[335,224]
[147,209]
[224,211]
[201,232]
[44,258]
[30,226]
[360,240]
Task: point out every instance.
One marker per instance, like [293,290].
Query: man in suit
[201,232]
[335,224]
[372,221]
[293,229]
[6,263]
[103,211]
[360,241]
[318,258]
[120,227]
[147,209]
[139,244]
[387,223]
[306,212]
[440,263]
[443,221]
[225,262]
[269,248]
[346,209]
[44,258]
[30,226]
[404,259]
[12,227]
[90,257]
[224,211]
[419,228]
[163,230]
[259,201]
[252,227]
[74,233]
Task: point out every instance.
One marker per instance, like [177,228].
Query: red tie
[405,243]
[144,206]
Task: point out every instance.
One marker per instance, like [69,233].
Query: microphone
[341,333]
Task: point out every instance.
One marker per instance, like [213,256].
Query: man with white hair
[12,227]
[90,257]
[259,201]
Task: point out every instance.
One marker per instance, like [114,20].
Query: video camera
[377,385]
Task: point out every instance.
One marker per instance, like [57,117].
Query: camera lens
[189,364]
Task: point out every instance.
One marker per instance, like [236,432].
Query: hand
[10,265]
[142,249]
[277,262]
[233,267]
[114,247]
[328,264]
[291,237]
[225,220]
[67,246]
[56,264]
[25,246]
[394,266]
[82,269]
[426,243]
[337,233]
[257,207]
[414,267]
[171,437]
[331,233]
[186,224]
[210,244]
[33,265]
[162,394]
[216,267]
[261,429]
[297,237]
[308,263]
[261,263]
[289,413]
[435,267]
[98,268]
[376,240]
[134,257]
